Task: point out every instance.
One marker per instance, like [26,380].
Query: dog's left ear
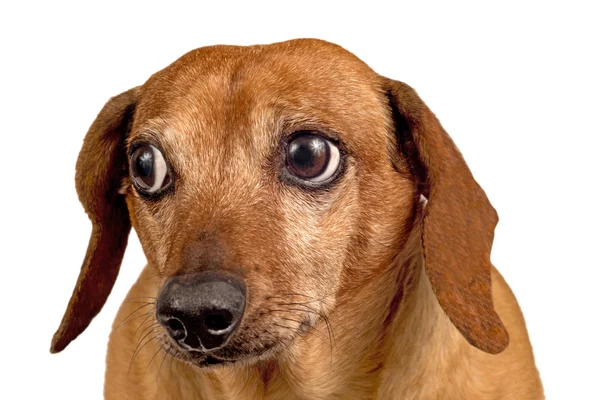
[459,222]
[101,166]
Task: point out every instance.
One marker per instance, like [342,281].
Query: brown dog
[311,231]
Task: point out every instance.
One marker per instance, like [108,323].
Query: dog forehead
[299,73]
[239,96]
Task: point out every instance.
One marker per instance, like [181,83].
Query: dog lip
[201,359]
[211,360]
[195,357]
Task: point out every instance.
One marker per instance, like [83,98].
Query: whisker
[140,342]
[132,319]
[133,312]
[331,340]
[292,294]
[152,359]
[150,327]
[297,303]
[291,319]
[288,328]
[312,328]
[307,309]
[143,322]
[313,300]
[295,309]
[327,322]
[310,310]
[161,363]
[171,361]
[138,352]
[287,295]
[317,333]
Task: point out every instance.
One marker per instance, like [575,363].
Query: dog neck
[399,328]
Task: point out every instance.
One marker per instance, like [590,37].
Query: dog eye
[312,158]
[149,170]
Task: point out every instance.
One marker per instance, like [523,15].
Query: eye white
[160,170]
[332,164]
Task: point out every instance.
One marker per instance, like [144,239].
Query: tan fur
[355,260]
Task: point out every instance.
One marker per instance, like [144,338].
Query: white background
[516,85]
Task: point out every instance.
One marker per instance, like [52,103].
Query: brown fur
[359,291]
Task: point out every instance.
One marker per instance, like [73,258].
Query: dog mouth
[227,355]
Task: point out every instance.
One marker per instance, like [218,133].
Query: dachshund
[311,232]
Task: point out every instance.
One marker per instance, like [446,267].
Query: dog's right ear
[101,166]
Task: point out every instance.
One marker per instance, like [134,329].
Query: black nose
[201,311]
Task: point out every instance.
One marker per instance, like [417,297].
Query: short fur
[377,287]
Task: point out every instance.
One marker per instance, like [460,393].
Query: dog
[311,232]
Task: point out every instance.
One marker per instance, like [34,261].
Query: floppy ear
[101,165]
[458,228]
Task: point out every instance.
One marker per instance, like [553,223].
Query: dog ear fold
[101,166]
[458,227]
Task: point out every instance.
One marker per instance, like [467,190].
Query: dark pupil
[308,156]
[144,167]
[302,156]
[145,164]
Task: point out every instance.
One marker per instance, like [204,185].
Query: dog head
[265,181]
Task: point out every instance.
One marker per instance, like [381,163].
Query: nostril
[217,321]
[176,328]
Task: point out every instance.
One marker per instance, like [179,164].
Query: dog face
[274,173]
[267,183]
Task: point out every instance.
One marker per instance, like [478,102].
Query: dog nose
[201,311]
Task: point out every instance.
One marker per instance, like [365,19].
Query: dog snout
[201,311]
